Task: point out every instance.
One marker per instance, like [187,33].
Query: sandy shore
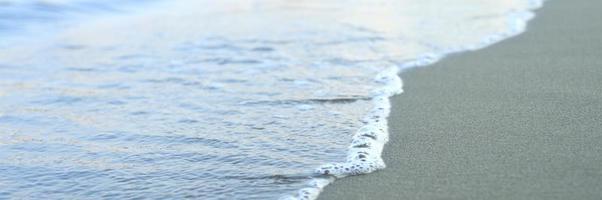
[521,119]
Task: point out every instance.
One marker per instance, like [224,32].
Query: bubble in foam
[316,185]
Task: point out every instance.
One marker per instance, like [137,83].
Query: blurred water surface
[203,99]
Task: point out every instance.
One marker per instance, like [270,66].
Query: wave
[216,99]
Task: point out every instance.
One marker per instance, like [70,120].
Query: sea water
[247,99]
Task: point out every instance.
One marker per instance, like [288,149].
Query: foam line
[364,152]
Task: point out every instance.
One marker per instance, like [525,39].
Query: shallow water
[207,99]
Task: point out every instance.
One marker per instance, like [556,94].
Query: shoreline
[515,120]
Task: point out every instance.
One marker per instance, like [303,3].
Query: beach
[520,119]
[201,99]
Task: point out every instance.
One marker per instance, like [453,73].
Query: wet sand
[521,119]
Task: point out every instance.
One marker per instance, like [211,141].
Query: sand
[521,119]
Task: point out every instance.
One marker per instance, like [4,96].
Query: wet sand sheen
[518,120]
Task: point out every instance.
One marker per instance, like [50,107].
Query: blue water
[213,99]
[17,16]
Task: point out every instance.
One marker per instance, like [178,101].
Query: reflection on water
[203,99]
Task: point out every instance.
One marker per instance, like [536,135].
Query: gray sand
[519,120]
